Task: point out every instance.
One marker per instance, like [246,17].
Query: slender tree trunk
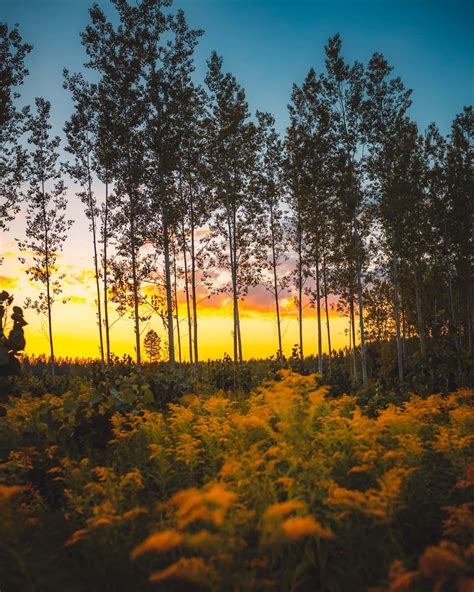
[318,309]
[360,298]
[135,281]
[235,299]
[178,330]
[236,294]
[326,305]
[300,285]
[105,271]
[404,325]
[396,289]
[469,319]
[234,287]
[169,297]
[419,312]
[453,312]
[275,283]
[48,284]
[96,259]
[193,285]
[186,291]
[353,333]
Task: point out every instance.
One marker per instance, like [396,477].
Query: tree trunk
[186,291]
[326,305]
[105,270]
[193,285]
[404,325]
[360,298]
[300,285]
[169,296]
[469,319]
[96,260]
[135,282]
[275,283]
[178,331]
[419,312]
[353,334]
[453,313]
[48,282]
[396,303]
[318,309]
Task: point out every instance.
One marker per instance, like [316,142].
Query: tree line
[186,190]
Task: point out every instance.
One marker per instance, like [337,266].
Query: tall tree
[168,90]
[81,133]
[118,54]
[46,223]
[269,190]
[12,156]
[460,219]
[344,87]
[310,112]
[386,128]
[236,214]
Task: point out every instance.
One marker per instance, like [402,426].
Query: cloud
[77,299]
[8,283]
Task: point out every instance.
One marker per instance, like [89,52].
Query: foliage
[288,488]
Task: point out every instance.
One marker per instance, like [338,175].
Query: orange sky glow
[76,333]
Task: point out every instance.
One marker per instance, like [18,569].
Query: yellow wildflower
[299,527]
[193,569]
[160,542]
[283,508]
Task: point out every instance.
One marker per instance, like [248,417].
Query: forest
[334,470]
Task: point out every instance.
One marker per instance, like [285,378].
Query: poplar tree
[344,87]
[117,53]
[386,127]
[168,89]
[310,112]
[46,223]
[293,169]
[81,132]
[12,156]
[233,238]
[269,189]
[460,220]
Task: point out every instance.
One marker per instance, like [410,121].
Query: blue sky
[269,44]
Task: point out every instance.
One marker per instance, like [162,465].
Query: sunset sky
[267,45]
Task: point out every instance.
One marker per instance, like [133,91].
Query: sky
[268,45]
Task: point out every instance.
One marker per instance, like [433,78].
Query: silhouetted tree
[46,223]
[12,155]
[81,131]
[152,345]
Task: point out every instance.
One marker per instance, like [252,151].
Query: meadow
[206,479]
[152,209]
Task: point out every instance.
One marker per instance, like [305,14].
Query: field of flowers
[289,489]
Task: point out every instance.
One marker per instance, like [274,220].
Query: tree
[293,169]
[81,132]
[12,156]
[118,54]
[344,87]
[168,90]
[46,223]
[310,114]
[152,345]
[269,189]
[233,237]
[460,220]
[386,128]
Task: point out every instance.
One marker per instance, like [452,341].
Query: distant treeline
[185,190]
